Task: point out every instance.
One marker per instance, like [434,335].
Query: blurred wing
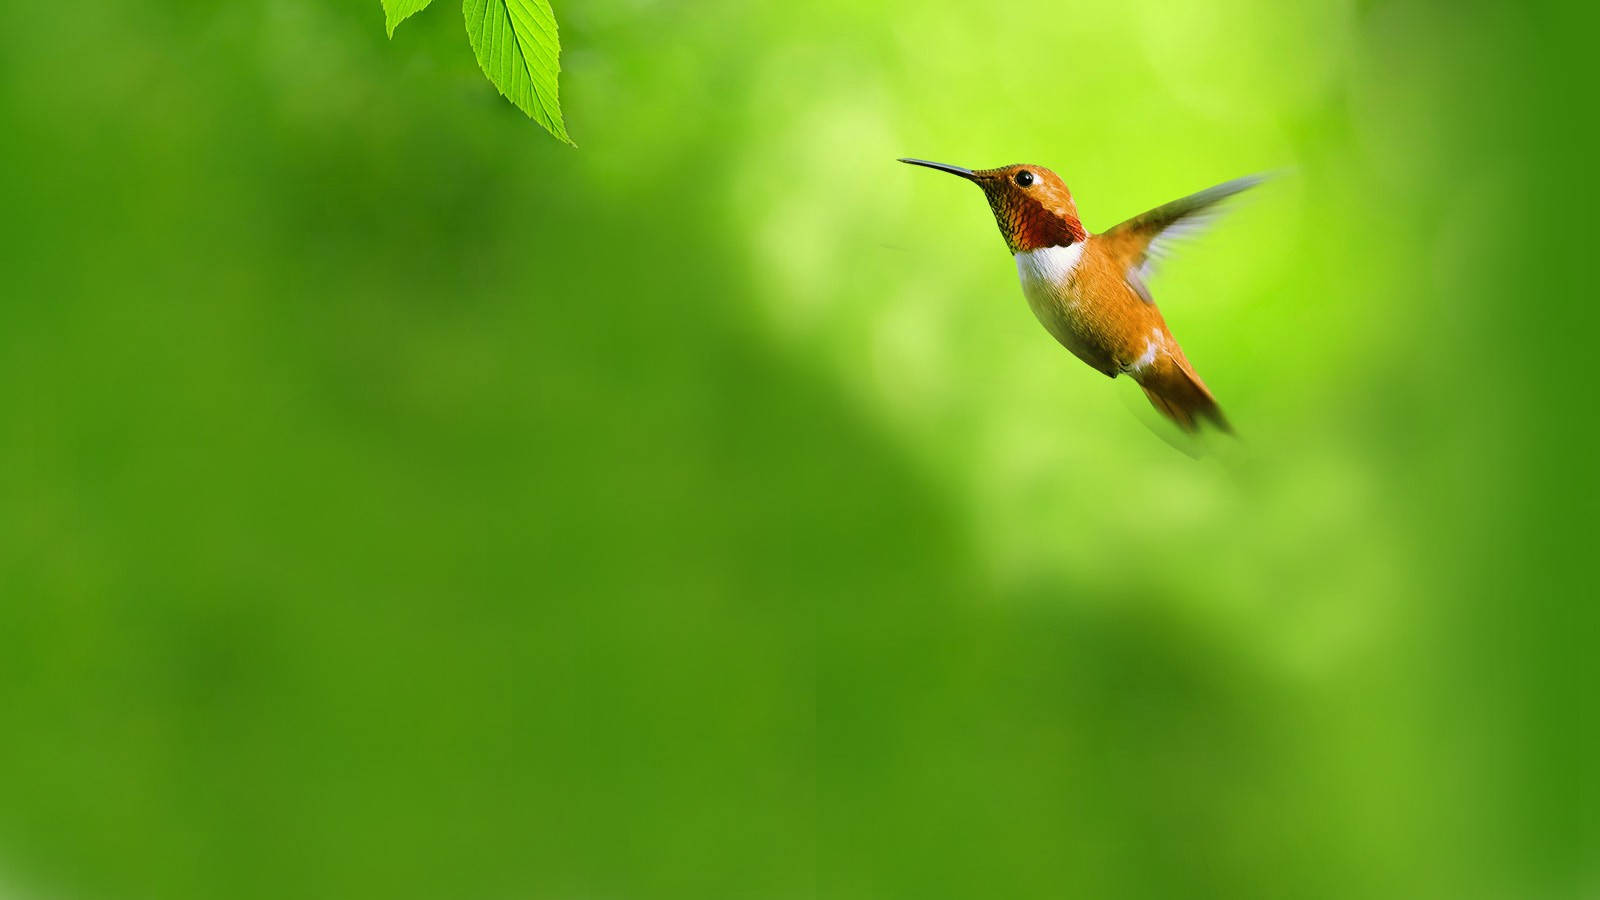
[1150,237]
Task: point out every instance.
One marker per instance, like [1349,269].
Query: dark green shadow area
[400,507]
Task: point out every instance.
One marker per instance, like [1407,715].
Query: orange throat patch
[1027,224]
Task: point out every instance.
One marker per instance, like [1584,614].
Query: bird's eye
[1024,178]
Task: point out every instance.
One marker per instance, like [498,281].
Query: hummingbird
[1088,290]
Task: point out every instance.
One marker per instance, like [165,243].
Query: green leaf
[516,44]
[397,11]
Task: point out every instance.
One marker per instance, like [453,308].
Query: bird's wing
[1149,237]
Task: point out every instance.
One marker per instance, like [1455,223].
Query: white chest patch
[1048,266]
[1045,274]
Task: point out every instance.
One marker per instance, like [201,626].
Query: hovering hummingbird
[1088,290]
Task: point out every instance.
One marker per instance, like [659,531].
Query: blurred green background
[398,503]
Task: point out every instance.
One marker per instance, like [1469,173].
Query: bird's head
[1031,205]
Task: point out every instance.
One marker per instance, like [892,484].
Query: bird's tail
[1180,395]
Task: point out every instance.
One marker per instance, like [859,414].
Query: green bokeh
[399,503]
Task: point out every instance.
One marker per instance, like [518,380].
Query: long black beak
[943,167]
